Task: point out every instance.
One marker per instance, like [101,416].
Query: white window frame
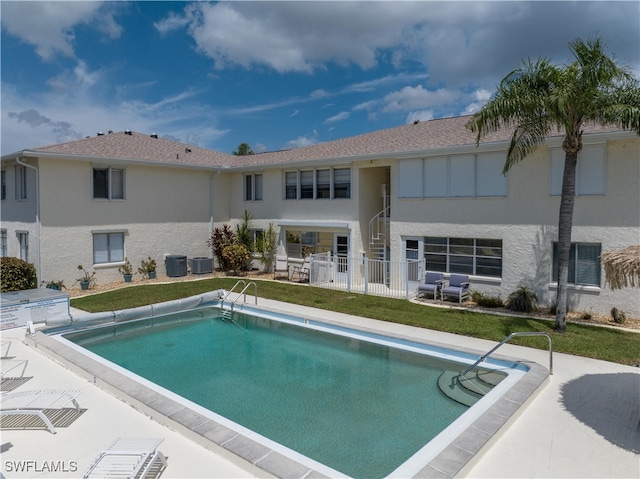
[111,191]
[453,254]
[3,184]
[592,264]
[23,242]
[115,247]
[307,180]
[21,182]
[3,242]
[591,170]
[253,187]
[453,176]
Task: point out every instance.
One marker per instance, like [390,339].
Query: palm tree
[540,99]
[243,150]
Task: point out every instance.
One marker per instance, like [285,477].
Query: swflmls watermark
[32,466]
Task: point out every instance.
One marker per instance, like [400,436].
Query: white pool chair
[28,407]
[129,457]
[12,368]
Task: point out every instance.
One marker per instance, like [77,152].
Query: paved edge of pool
[259,459]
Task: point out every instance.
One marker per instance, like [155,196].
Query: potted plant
[87,279]
[148,268]
[57,285]
[126,271]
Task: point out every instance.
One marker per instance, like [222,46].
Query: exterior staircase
[379,234]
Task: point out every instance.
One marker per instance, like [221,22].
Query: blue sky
[274,74]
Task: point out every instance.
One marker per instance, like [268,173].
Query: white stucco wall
[526,221]
[166,212]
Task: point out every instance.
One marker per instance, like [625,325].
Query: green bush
[490,301]
[236,256]
[523,300]
[17,274]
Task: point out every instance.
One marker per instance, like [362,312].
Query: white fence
[369,276]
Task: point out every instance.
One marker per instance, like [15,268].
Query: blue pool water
[356,406]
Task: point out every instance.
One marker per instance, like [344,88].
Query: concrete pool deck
[583,422]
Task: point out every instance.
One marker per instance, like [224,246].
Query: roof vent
[187,150]
[110,131]
[100,133]
[415,122]
[154,135]
[127,132]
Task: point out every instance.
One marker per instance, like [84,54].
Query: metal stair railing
[242,293]
[507,339]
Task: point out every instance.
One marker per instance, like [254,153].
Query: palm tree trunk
[565,224]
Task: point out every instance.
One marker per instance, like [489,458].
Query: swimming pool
[382,452]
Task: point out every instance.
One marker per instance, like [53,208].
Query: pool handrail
[241,293]
[508,338]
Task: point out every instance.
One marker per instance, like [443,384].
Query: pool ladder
[227,314]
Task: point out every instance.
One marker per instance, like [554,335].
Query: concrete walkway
[584,423]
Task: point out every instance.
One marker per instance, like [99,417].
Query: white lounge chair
[32,404]
[281,266]
[16,367]
[129,457]
[5,346]
[301,272]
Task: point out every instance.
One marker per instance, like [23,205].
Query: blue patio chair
[432,284]
[458,286]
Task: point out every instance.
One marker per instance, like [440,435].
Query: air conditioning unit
[175,265]
[201,265]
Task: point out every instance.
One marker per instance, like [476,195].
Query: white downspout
[37,199]
[211,222]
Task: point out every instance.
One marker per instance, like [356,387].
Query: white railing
[394,279]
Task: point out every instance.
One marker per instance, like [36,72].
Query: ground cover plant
[582,340]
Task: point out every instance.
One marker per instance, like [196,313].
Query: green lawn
[582,340]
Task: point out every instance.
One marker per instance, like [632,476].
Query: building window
[291,185]
[584,263]
[108,248]
[342,183]
[108,183]
[475,256]
[301,244]
[253,187]
[21,182]
[3,185]
[306,184]
[3,242]
[323,184]
[23,241]
[456,176]
[318,184]
[590,171]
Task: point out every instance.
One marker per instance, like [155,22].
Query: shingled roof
[401,140]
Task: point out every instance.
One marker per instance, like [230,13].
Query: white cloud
[171,23]
[303,141]
[48,26]
[424,115]
[339,117]
[481,97]
[410,98]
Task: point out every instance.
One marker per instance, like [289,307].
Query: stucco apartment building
[441,197]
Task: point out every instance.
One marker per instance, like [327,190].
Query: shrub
[147,266]
[17,274]
[236,256]
[586,315]
[522,300]
[490,301]
[618,316]
[221,238]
